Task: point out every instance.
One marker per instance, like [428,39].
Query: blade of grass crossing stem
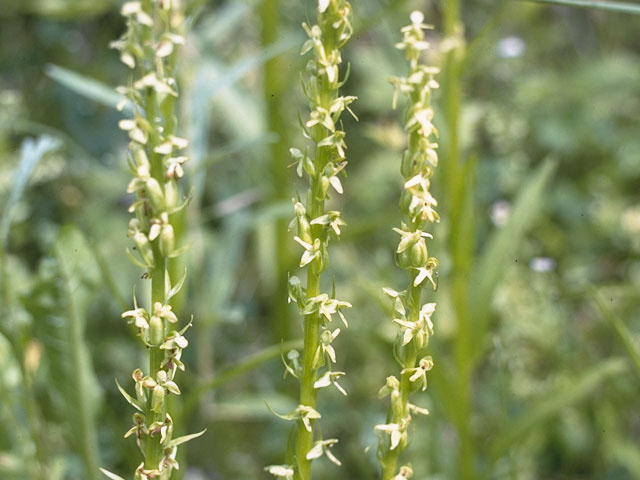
[618,7]
[253,362]
[620,328]
[552,403]
[85,86]
[501,251]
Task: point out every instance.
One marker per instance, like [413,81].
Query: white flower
[405,472]
[409,238]
[310,251]
[323,5]
[417,17]
[322,447]
[396,430]
[139,317]
[330,378]
[325,347]
[174,166]
[420,372]
[164,311]
[282,471]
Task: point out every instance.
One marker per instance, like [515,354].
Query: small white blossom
[281,471]
[322,447]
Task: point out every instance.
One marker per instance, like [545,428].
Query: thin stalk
[459,243]
[610,6]
[150,46]
[304,440]
[40,467]
[87,441]
[316,227]
[273,88]
[153,449]
[417,206]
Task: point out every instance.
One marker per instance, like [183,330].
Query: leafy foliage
[541,205]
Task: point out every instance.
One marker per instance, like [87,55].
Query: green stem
[273,88]
[390,460]
[304,441]
[87,441]
[41,467]
[458,243]
[153,450]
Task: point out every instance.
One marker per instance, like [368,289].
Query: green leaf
[551,403]
[132,401]
[31,152]
[86,87]
[184,439]
[620,328]
[60,301]
[620,7]
[501,251]
[110,475]
[252,362]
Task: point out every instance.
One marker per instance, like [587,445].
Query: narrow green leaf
[85,86]
[132,401]
[251,363]
[184,439]
[171,291]
[31,152]
[110,475]
[60,300]
[501,251]
[620,328]
[76,266]
[620,7]
[551,403]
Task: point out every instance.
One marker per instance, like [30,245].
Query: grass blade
[31,152]
[60,301]
[619,7]
[251,363]
[501,250]
[552,403]
[620,328]
[85,86]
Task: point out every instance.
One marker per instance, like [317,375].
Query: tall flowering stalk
[149,47]
[322,163]
[417,205]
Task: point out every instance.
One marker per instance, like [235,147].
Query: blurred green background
[537,328]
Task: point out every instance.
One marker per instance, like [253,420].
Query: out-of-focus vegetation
[536,344]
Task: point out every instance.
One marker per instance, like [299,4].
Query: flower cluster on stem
[148,48]
[418,207]
[322,163]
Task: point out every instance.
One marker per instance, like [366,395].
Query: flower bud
[155,194]
[171,194]
[141,215]
[407,167]
[324,188]
[304,229]
[403,259]
[419,253]
[156,331]
[142,161]
[167,240]
[134,227]
[405,201]
[144,247]
[157,399]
